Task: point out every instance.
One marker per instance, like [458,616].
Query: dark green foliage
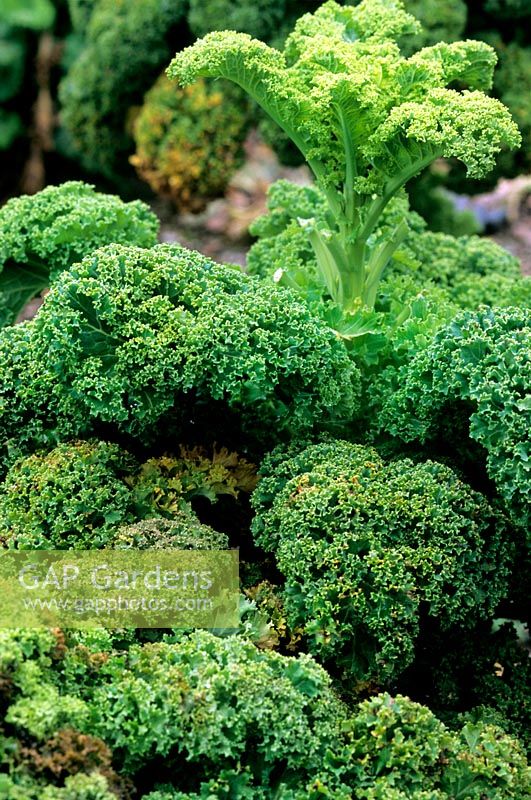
[508,9]
[43,234]
[80,13]
[35,412]
[400,751]
[217,701]
[406,322]
[189,142]
[479,366]
[182,532]
[480,670]
[260,18]
[10,127]
[134,334]
[126,45]
[72,497]
[12,54]
[368,548]
[512,84]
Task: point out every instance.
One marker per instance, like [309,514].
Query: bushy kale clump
[94,786]
[368,549]
[399,750]
[260,18]
[477,370]
[43,234]
[72,497]
[190,143]
[201,697]
[134,334]
[230,721]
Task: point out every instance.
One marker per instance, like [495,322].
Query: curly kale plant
[135,334]
[399,750]
[366,119]
[478,370]
[43,234]
[230,721]
[465,266]
[430,277]
[211,701]
[72,497]
[189,143]
[78,494]
[369,548]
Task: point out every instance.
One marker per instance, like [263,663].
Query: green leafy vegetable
[189,143]
[135,334]
[43,234]
[476,372]
[365,118]
[368,549]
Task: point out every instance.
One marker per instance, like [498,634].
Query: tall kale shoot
[366,119]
